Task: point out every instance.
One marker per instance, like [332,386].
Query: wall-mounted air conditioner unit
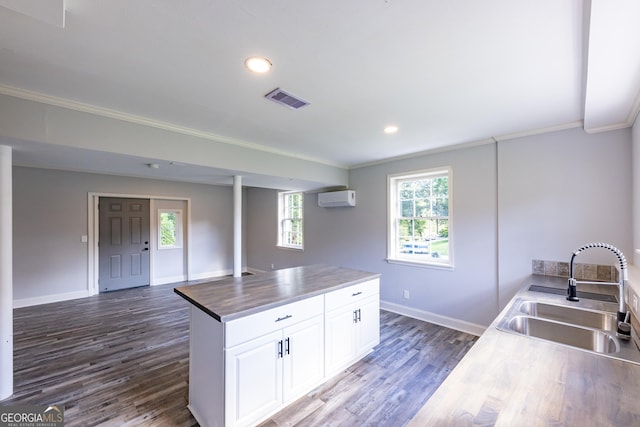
[335,199]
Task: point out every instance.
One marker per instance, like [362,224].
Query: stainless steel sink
[581,327]
[562,333]
[575,316]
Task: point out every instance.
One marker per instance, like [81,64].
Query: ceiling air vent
[286,99]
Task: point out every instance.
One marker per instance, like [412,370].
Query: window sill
[164,248]
[448,267]
[289,248]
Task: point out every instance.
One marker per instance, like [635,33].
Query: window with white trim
[169,228]
[419,229]
[290,220]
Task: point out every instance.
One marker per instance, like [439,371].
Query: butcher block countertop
[236,297]
[508,379]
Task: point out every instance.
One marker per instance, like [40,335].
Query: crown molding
[607,128]
[539,131]
[629,122]
[635,110]
[146,121]
[479,142]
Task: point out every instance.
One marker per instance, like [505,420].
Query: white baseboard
[46,299]
[437,319]
[210,274]
[165,280]
[220,273]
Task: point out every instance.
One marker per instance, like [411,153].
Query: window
[290,224]
[169,228]
[419,218]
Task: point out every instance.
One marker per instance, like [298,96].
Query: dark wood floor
[122,358]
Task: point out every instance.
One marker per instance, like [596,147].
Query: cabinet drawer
[250,327]
[351,294]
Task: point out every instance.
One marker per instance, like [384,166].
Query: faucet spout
[572,293]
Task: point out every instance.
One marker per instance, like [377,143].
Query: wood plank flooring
[122,359]
[390,385]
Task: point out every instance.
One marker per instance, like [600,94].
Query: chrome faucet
[572,290]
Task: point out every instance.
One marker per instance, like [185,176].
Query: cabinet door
[253,375]
[368,326]
[303,357]
[339,341]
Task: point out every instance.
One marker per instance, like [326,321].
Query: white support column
[6,273]
[237,226]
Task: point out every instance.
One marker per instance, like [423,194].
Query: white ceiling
[446,72]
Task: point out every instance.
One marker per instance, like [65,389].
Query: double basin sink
[556,320]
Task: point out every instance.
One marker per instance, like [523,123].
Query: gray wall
[23,120]
[536,197]
[50,216]
[356,237]
[558,191]
[636,192]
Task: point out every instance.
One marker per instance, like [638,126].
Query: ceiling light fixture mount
[257,64]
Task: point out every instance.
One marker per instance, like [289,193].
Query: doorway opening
[110,269]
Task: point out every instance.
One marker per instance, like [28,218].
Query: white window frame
[282,217]
[394,254]
[179,239]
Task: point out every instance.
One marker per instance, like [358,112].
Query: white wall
[50,216]
[538,197]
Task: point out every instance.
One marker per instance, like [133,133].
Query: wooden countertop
[512,380]
[236,297]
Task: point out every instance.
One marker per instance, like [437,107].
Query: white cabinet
[303,359]
[352,324]
[271,370]
[253,373]
[244,370]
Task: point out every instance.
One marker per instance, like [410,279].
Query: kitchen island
[259,342]
[508,379]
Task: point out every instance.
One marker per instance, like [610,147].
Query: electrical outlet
[405,294]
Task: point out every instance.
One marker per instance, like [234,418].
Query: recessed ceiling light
[257,64]
[391,129]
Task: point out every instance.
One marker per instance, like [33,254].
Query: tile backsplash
[596,272]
